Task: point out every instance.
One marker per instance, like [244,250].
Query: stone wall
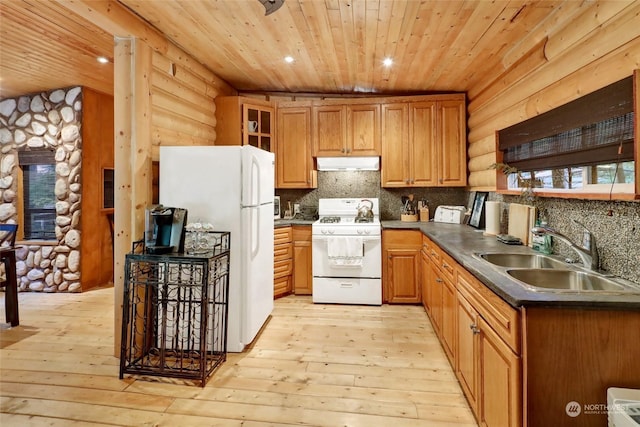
[51,120]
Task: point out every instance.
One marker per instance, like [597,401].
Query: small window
[584,146]
[39,179]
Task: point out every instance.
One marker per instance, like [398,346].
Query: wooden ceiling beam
[115,19]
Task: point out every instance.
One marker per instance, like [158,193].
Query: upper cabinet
[346,130]
[294,163]
[424,142]
[244,121]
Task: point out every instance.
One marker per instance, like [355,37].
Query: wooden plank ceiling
[338,45]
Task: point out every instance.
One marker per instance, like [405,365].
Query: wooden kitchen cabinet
[294,163]
[424,142]
[424,277]
[452,143]
[346,130]
[468,355]
[401,266]
[282,261]
[441,296]
[244,121]
[488,365]
[500,396]
[302,261]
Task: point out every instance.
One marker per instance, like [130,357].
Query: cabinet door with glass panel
[244,121]
[257,126]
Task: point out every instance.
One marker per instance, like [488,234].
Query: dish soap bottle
[542,243]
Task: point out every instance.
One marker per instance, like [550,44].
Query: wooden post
[132,68]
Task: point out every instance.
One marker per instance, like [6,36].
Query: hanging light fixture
[271,6]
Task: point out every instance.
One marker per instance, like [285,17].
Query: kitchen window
[38,187]
[585,146]
[616,177]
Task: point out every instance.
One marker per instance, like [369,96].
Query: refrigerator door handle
[255,182]
[254,233]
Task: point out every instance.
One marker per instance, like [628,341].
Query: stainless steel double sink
[546,273]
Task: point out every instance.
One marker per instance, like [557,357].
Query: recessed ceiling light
[288,59]
[102,59]
[387,62]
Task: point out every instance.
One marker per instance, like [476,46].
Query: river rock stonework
[48,120]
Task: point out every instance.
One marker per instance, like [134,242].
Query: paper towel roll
[492,218]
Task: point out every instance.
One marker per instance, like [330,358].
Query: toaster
[450,214]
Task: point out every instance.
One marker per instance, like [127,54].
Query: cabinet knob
[439,280]
[474,328]
[406,181]
[342,150]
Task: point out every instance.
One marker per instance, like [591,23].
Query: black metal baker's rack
[174,313]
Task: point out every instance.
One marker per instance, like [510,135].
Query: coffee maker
[164,229]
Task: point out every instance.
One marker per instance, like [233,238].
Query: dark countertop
[287,222]
[463,241]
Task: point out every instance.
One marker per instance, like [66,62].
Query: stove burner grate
[330,219]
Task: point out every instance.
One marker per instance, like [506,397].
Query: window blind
[597,128]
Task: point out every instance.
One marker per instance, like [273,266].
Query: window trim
[26,159]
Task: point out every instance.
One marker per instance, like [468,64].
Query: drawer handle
[346,285]
[474,328]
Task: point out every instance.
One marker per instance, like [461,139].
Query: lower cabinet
[401,266]
[500,401]
[480,334]
[282,262]
[488,365]
[302,272]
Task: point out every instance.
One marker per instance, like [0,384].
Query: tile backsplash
[615,225]
[367,184]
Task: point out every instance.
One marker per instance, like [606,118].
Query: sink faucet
[588,252]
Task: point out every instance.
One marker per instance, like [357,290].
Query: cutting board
[519,225]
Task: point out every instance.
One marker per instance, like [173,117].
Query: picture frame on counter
[276,207]
[477,210]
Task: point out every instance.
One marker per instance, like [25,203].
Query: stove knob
[359,231]
[367,231]
[323,231]
[331,231]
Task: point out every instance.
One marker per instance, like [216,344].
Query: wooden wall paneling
[182,107]
[581,353]
[483,162]
[593,17]
[469,50]
[604,70]
[558,17]
[167,119]
[607,69]
[33,31]
[600,43]
[96,255]
[164,136]
[532,60]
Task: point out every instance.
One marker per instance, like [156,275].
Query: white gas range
[346,252]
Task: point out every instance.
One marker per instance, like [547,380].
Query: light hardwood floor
[320,365]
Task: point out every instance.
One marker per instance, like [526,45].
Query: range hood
[348,163]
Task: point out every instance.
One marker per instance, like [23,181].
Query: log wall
[546,70]
[182,107]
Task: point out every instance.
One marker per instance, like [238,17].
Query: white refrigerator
[233,189]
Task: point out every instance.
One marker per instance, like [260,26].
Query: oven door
[371,263]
